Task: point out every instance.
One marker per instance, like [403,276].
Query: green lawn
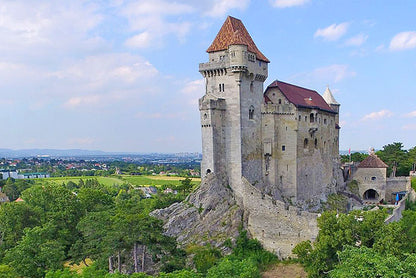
[133,180]
[156,180]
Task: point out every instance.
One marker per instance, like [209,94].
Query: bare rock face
[208,215]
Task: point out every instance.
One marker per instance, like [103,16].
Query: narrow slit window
[251,113]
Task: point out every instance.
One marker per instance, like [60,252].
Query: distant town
[44,166]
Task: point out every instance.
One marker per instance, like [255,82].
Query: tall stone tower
[231,107]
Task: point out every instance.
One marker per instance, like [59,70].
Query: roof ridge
[233,32]
[297,86]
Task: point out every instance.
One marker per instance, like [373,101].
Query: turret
[329,98]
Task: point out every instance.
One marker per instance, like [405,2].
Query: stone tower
[231,107]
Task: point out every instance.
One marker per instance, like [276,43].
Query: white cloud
[47,27]
[332,32]
[82,100]
[403,41]
[141,40]
[378,115]
[101,70]
[329,74]
[154,20]
[411,114]
[356,40]
[221,7]
[288,3]
[193,90]
[103,79]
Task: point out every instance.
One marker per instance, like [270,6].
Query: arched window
[312,118]
[251,113]
[316,143]
[251,86]
[305,143]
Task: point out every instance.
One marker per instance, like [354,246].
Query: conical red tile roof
[233,32]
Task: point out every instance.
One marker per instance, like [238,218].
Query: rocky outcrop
[208,215]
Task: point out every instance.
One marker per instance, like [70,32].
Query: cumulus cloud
[193,90]
[411,114]
[288,3]
[403,41]
[141,40]
[221,7]
[47,27]
[377,115]
[154,20]
[356,40]
[329,74]
[332,32]
[104,79]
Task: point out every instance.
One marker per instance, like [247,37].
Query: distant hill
[101,155]
[50,152]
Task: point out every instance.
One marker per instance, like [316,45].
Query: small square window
[283,148]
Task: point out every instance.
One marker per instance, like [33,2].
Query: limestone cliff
[208,215]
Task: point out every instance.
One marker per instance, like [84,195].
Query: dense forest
[108,230]
[399,160]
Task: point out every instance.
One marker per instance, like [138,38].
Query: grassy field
[133,180]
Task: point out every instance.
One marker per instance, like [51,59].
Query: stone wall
[277,226]
[396,184]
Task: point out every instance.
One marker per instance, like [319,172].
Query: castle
[284,140]
[270,158]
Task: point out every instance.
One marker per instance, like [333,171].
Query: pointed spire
[233,32]
[328,97]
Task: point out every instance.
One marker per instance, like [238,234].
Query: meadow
[121,179]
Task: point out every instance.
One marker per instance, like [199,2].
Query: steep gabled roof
[301,97]
[372,161]
[233,32]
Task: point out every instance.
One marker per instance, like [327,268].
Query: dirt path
[285,271]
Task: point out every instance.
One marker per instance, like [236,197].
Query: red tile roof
[372,161]
[301,97]
[233,32]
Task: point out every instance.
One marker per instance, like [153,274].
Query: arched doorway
[370,194]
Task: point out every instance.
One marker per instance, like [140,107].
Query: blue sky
[123,75]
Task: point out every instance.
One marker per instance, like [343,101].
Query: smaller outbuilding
[372,179]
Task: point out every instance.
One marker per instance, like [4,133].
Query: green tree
[335,232]
[37,252]
[366,263]
[57,205]
[396,158]
[15,217]
[7,272]
[234,269]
